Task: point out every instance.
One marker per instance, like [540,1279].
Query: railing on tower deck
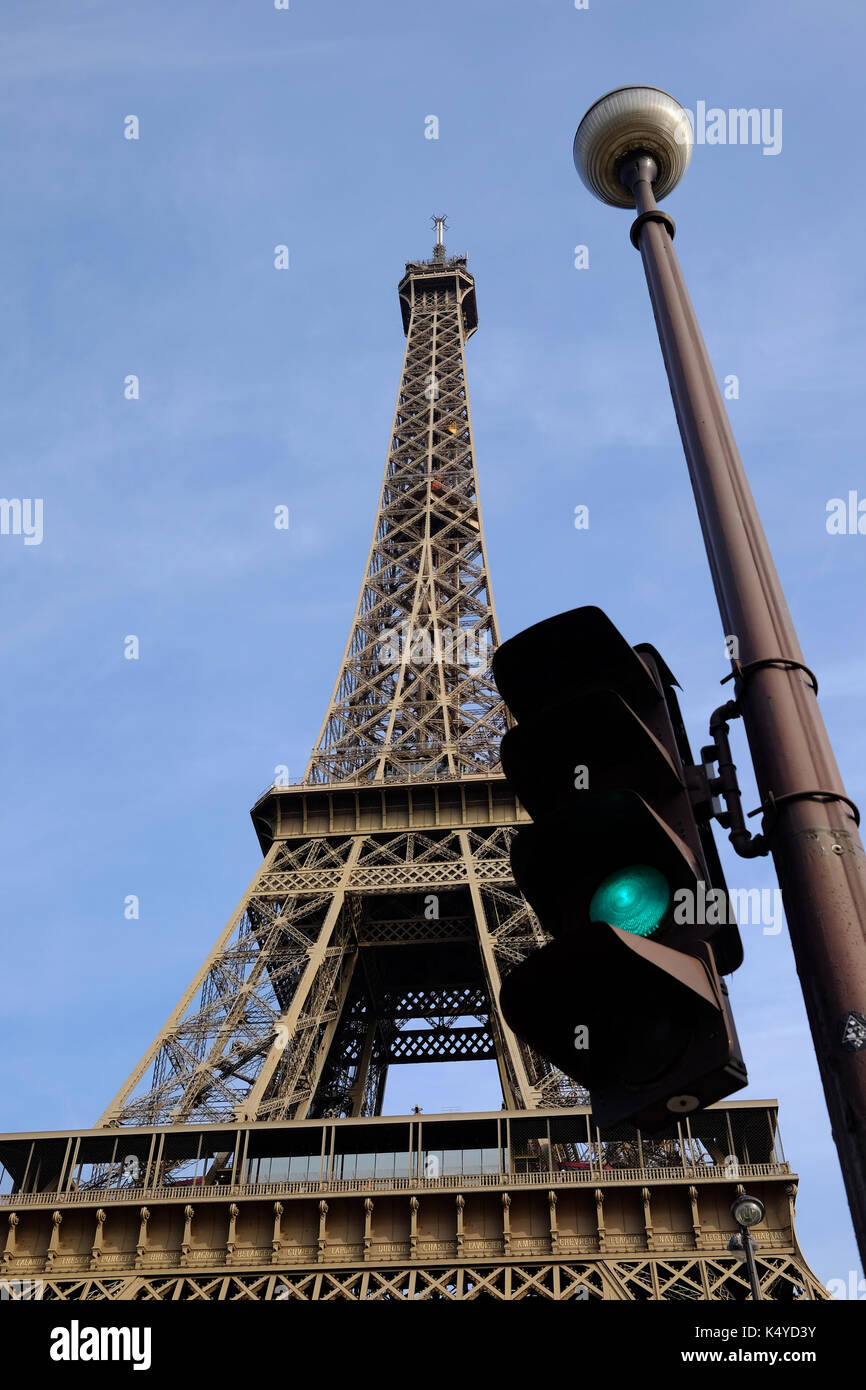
[364,779]
[449,263]
[590,1175]
[734,1144]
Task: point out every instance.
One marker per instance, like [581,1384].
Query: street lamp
[747,1211]
[631,148]
[629,119]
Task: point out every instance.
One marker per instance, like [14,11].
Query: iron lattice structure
[426,593]
[304,1003]
[376,932]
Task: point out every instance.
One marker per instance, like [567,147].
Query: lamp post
[747,1212]
[631,148]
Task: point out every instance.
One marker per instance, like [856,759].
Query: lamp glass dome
[747,1211]
[629,121]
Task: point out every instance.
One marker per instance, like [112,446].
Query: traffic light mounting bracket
[725,787]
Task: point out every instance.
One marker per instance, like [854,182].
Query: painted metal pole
[751,1264]
[744,1242]
[809,824]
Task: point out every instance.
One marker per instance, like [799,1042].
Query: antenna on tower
[440,222]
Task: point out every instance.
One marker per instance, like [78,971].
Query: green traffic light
[635,899]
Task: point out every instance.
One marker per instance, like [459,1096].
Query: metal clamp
[654,215]
[772,802]
[782,663]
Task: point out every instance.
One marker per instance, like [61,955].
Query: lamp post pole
[747,1212]
[631,148]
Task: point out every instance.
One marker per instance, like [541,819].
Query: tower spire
[440,222]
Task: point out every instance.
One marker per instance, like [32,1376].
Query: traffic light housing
[622,871]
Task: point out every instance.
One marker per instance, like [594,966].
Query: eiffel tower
[247,1155]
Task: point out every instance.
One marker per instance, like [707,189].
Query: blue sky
[155,257]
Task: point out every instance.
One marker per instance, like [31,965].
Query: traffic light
[622,870]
